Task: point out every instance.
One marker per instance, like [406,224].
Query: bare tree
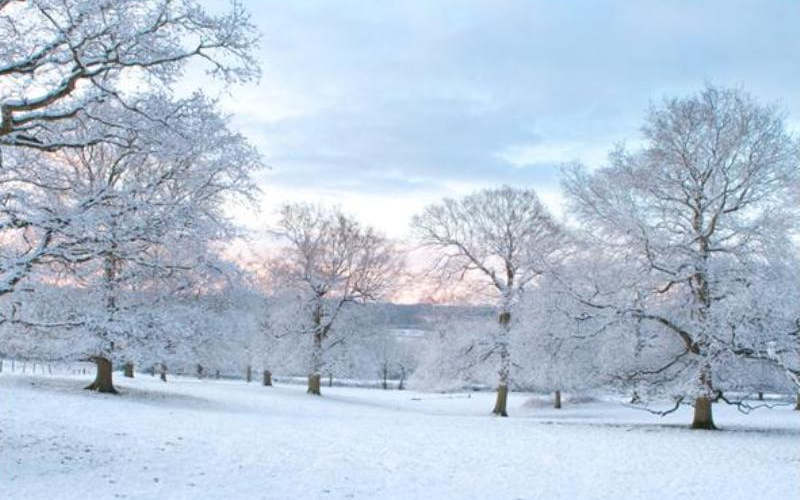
[334,262]
[694,218]
[504,238]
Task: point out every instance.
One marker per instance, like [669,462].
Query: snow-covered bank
[226,439]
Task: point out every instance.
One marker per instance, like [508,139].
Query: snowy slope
[196,440]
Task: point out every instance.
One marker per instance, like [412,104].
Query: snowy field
[191,439]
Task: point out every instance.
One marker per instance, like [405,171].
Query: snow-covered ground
[191,439]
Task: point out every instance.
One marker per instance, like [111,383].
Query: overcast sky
[385,106]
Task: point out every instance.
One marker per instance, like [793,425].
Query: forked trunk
[500,402]
[314,382]
[128,369]
[703,418]
[267,378]
[103,381]
[557,401]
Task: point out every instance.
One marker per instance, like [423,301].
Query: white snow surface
[208,439]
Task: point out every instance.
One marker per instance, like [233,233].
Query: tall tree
[504,237]
[75,73]
[694,218]
[334,262]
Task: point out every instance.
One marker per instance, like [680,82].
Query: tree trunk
[557,402]
[163,371]
[249,375]
[401,384]
[267,378]
[760,396]
[103,381]
[797,403]
[314,381]
[703,418]
[128,369]
[385,375]
[315,374]
[216,375]
[505,365]
[500,403]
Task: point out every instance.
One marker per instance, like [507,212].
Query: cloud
[384,104]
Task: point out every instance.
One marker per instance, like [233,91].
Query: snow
[209,439]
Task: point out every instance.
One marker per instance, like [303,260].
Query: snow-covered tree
[333,263]
[695,219]
[157,210]
[75,73]
[503,239]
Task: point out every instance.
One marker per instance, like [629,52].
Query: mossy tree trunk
[103,381]
[314,382]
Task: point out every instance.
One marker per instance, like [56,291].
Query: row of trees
[686,246]
[674,273]
[675,268]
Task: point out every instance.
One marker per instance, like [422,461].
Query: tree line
[673,270]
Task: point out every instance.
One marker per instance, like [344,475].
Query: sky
[383,107]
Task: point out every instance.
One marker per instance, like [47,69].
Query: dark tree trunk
[557,401]
[163,373]
[201,372]
[401,384]
[500,403]
[103,381]
[760,396]
[249,374]
[267,378]
[216,374]
[797,403]
[128,369]
[314,384]
[330,380]
[385,377]
[703,418]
